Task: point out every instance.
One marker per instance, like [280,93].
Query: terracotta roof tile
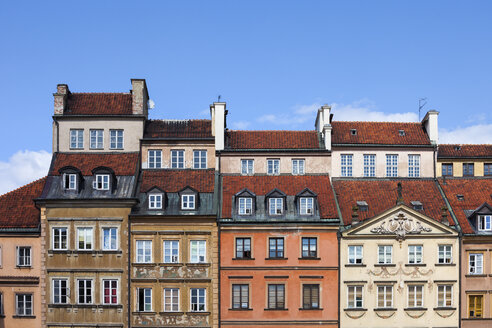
[120,163]
[475,192]
[99,104]
[289,184]
[381,195]
[17,208]
[178,129]
[272,140]
[380,133]
[466,151]
[176,180]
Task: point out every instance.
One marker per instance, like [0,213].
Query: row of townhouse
[184,223]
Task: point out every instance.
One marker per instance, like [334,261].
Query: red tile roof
[176,180]
[291,185]
[17,208]
[178,129]
[475,192]
[464,151]
[381,195]
[121,163]
[99,104]
[380,133]
[272,140]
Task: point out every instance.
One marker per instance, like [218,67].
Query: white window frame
[86,294]
[114,140]
[346,165]
[245,206]
[101,182]
[53,237]
[444,301]
[173,246]
[298,166]
[198,299]
[415,253]
[273,166]
[110,280]
[387,256]
[26,261]
[353,255]
[146,251]
[414,166]
[76,138]
[103,245]
[155,201]
[188,202]
[55,291]
[446,250]
[201,251]
[486,224]
[202,159]
[355,301]
[168,306]
[145,300]
[387,291]
[306,205]
[277,204]
[391,165]
[477,267]
[85,236]
[154,160]
[72,181]
[247,166]
[176,154]
[25,312]
[98,135]
[413,303]
[369,165]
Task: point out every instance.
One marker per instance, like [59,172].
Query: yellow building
[464,160]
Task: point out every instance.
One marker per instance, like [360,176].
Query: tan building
[464,160]
[20,258]
[399,255]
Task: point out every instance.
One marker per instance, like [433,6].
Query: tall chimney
[218,112]
[444,215]
[430,124]
[60,96]
[355,215]
[323,125]
[140,97]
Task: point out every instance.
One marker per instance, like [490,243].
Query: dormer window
[457,147]
[417,205]
[245,206]
[306,205]
[70,181]
[362,205]
[460,197]
[353,132]
[484,222]
[187,202]
[71,178]
[101,182]
[275,206]
[401,133]
[155,201]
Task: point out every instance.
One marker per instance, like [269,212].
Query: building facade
[464,161]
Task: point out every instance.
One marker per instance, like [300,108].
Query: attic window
[362,205]
[457,147]
[401,133]
[417,205]
[353,132]
[70,181]
[155,201]
[101,182]
[460,197]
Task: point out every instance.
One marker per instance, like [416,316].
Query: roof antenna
[422,103]
[218,98]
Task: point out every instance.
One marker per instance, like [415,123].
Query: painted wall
[458,166]
[188,147]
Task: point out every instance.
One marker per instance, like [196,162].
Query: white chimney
[140,97]
[430,124]
[218,112]
[60,96]
[323,125]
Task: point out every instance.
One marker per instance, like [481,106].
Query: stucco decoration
[400,226]
[171,272]
[384,314]
[355,314]
[401,271]
[170,320]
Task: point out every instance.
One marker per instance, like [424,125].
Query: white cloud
[365,110]
[23,167]
[240,125]
[474,134]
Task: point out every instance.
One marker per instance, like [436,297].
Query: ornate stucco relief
[401,226]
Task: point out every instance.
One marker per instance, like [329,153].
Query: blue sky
[273,62]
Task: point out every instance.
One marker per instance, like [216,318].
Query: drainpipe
[219,198]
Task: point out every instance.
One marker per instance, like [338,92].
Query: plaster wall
[478,166]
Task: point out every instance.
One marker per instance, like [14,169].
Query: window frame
[476,256]
[275,201]
[414,165]
[484,225]
[116,139]
[248,205]
[346,165]
[385,254]
[78,134]
[152,156]
[476,296]
[199,251]
[100,183]
[85,228]
[444,252]
[139,303]
[71,183]
[55,290]
[311,305]
[173,251]
[391,165]
[415,253]
[355,255]
[307,207]
[355,301]
[413,303]
[201,158]
[369,165]
[487,169]
[309,255]
[154,204]
[103,290]
[142,258]
[98,144]
[198,304]
[446,168]
[245,163]
[276,296]
[274,164]
[297,168]
[468,169]
[172,304]
[188,202]
[85,288]
[239,242]
[276,250]
[26,261]
[53,238]
[387,302]
[445,299]
[103,236]
[243,290]
[27,311]
[175,159]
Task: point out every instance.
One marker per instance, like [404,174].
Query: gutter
[219,214]
[382,145]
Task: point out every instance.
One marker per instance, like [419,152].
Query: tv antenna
[422,103]
[218,98]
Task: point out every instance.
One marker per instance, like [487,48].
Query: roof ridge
[465,144]
[376,122]
[272,130]
[24,186]
[100,93]
[179,120]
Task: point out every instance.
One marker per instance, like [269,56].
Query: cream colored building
[464,160]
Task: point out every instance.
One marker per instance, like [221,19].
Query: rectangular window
[385,254]
[84,291]
[487,169]
[102,182]
[276,296]
[23,304]
[247,166]
[197,299]
[275,206]
[346,165]
[354,299]
[1,304]
[415,254]
[110,239]
[243,248]
[444,254]
[310,296]
[306,205]
[240,296]
[468,169]
[245,206]
[110,291]
[199,159]
[475,306]
[171,299]
[309,247]
[355,254]
[415,296]
[447,170]
[475,263]
[85,238]
[144,299]
[273,166]
[187,202]
[144,251]
[60,291]
[155,159]
[298,166]
[369,165]
[444,295]
[276,248]
[97,139]
[198,250]
[70,181]
[413,166]
[77,139]
[385,296]
[116,139]
[177,159]
[391,165]
[484,222]
[24,256]
[155,201]
[171,251]
[59,238]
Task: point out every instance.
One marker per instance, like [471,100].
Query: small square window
[306,205]
[417,205]
[275,206]
[116,139]
[447,169]
[155,201]
[245,206]
[187,202]
[70,181]
[485,222]
[155,159]
[362,205]
[401,133]
[468,169]
[101,182]
[199,159]
[353,132]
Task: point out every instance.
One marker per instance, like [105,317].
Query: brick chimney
[218,112]
[355,215]
[430,124]
[140,97]
[323,125]
[444,216]
[60,96]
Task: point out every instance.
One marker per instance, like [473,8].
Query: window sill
[197,312]
[110,306]
[143,312]
[385,309]
[309,258]
[171,264]
[279,309]
[445,264]
[243,258]
[355,265]
[311,309]
[248,309]
[385,265]
[84,306]
[354,309]
[171,313]
[24,316]
[415,265]
[415,309]
[23,267]
[475,275]
[444,308]
[276,258]
[198,264]
[144,264]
